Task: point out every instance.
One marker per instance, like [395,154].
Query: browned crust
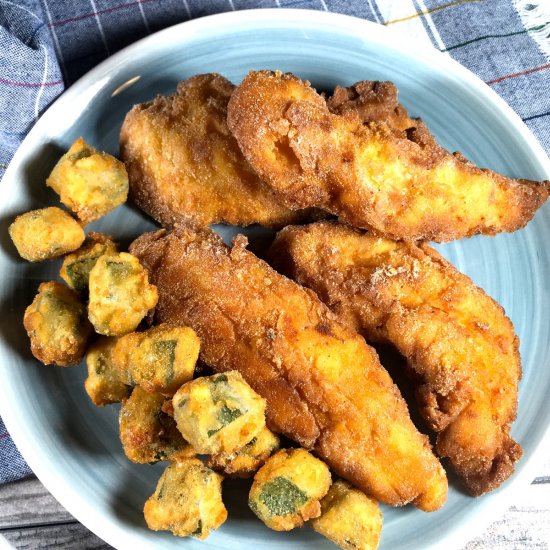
[324,387]
[371,101]
[70,347]
[398,183]
[459,343]
[185,166]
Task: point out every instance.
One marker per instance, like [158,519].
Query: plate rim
[51,479]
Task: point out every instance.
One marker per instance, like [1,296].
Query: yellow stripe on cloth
[432,10]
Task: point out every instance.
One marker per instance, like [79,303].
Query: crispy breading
[244,462]
[400,187]
[349,518]
[187,500]
[103,384]
[57,325]
[460,346]
[147,433]
[89,182]
[45,234]
[371,101]
[184,164]
[324,387]
[287,489]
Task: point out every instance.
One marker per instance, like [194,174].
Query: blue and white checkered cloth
[45,45]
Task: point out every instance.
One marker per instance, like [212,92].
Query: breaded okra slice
[89,182]
[45,233]
[147,433]
[76,267]
[349,518]
[287,489]
[120,294]
[219,413]
[244,462]
[103,384]
[57,325]
[187,500]
[160,359]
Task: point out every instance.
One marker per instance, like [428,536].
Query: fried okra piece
[89,182]
[349,518]
[187,500]
[57,325]
[120,294]
[287,489]
[76,267]
[147,434]
[160,359]
[246,461]
[103,384]
[219,413]
[45,233]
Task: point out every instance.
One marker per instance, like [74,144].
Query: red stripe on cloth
[30,84]
[98,12]
[523,73]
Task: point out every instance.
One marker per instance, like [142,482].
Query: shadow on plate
[13,307]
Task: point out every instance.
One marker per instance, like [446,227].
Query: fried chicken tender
[184,164]
[324,387]
[371,101]
[460,346]
[402,187]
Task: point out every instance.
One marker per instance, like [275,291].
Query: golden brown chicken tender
[400,186]
[372,101]
[120,294]
[349,518]
[46,233]
[76,267]
[160,359]
[184,164]
[89,182]
[324,387]
[57,325]
[187,500]
[103,384]
[287,489]
[244,462]
[459,344]
[147,433]
[219,414]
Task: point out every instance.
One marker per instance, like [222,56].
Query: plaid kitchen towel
[45,45]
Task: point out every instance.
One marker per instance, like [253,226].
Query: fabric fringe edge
[535,17]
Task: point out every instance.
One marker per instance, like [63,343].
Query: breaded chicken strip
[324,386]
[460,346]
[184,164]
[372,101]
[400,187]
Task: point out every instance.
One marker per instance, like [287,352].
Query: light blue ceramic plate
[73,447]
